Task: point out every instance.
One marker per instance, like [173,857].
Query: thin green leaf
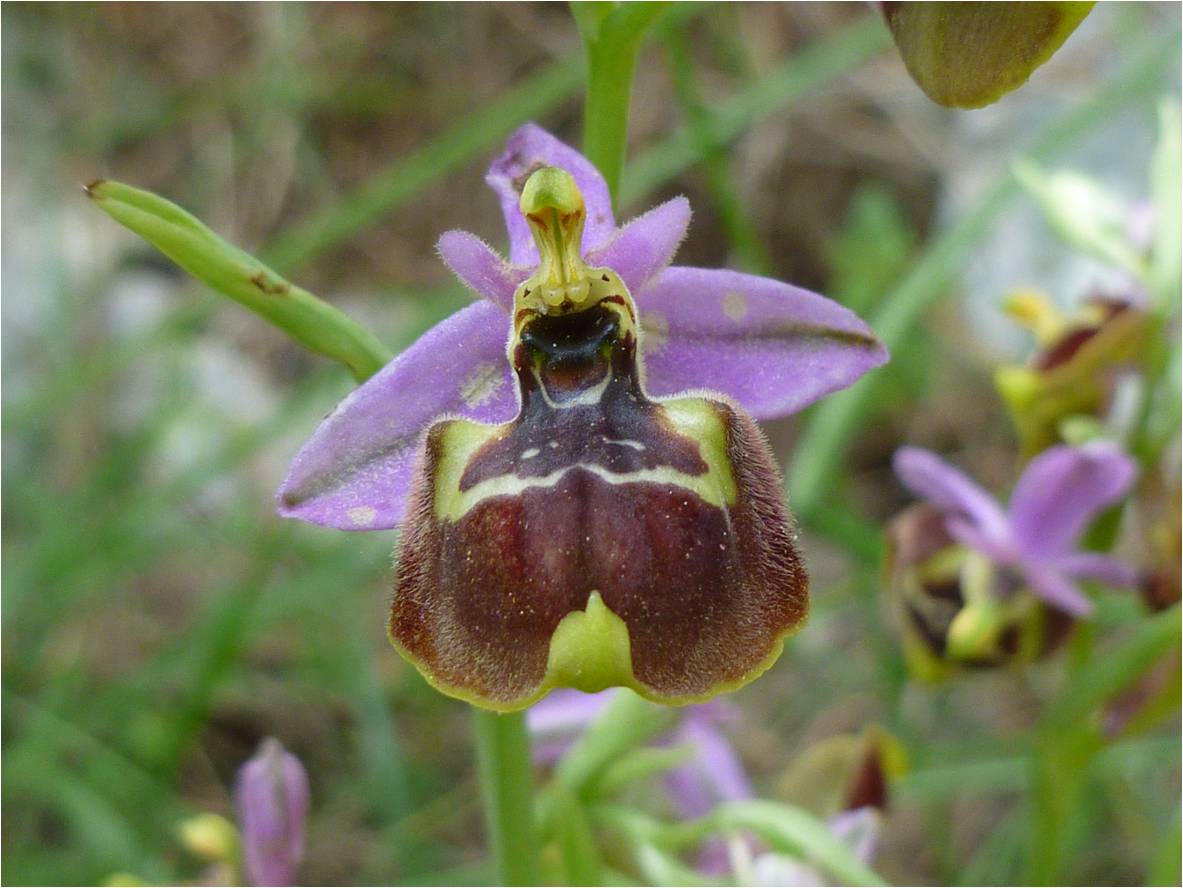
[1166,183]
[581,862]
[1164,866]
[314,324]
[637,765]
[626,722]
[1104,676]
[798,833]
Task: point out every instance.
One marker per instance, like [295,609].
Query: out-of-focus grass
[159,619]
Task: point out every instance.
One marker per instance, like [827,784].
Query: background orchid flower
[589,504]
[1059,494]
[713,774]
[1076,368]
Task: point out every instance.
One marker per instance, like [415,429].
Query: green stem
[310,321]
[611,36]
[507,783]
[1068,738]
[742,232]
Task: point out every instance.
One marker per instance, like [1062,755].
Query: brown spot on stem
[269,286]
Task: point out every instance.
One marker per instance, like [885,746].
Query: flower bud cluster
[974,583]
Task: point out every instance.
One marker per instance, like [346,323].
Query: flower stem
[1068,739]
[313,323]
[507,783]
[611,36]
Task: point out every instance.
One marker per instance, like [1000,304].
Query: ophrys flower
[1036,539]
[584,500]
[975,584]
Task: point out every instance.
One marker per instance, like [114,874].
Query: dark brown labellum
[601,538]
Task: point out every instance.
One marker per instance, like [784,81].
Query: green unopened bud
[209,837]
[966,55]
[314,324]
[1087,216]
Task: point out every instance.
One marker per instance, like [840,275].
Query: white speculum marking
[692,417]
[623,442]
[362,516]
[706,486]
[530,452]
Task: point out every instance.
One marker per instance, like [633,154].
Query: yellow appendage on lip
[590,650]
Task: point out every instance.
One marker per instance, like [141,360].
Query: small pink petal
[983,523]
[1096,566]
[480,268]
[528,149]
[644,246]
[1057,590]
[1062,490]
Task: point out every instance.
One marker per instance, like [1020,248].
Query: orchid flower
[1036,539]
[585,499]
[1078,365]
[713,774]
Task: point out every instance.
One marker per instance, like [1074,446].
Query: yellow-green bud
[209,837]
